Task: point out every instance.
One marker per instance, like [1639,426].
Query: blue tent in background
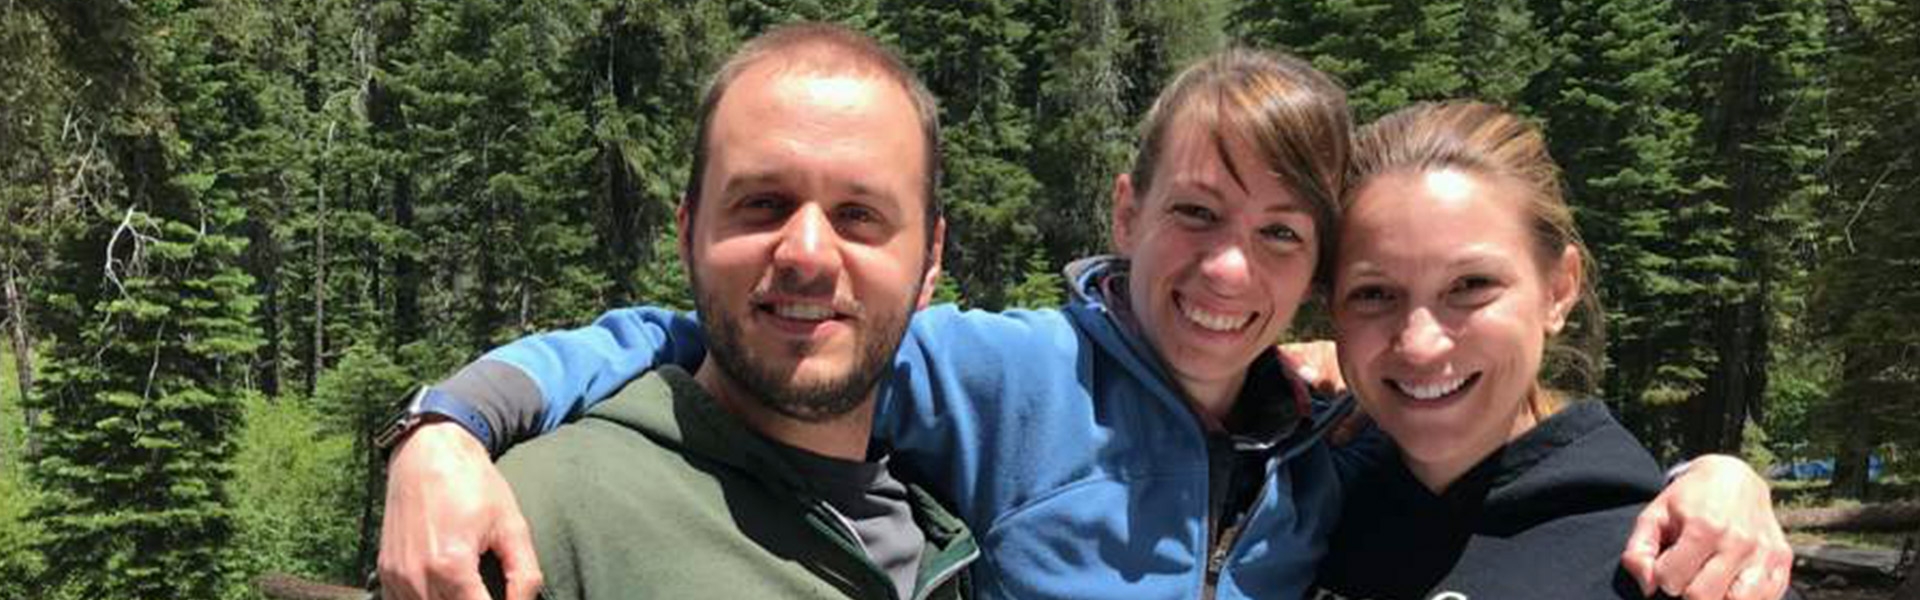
[1819,469]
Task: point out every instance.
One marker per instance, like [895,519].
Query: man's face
[810,249]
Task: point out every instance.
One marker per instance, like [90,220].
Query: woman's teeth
[1215,321]
[1432,390]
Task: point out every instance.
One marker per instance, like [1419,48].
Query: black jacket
[1546,516]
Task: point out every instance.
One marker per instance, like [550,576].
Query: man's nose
[809,245]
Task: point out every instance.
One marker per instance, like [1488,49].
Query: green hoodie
[661,493]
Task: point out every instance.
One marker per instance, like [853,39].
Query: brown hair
[829,49]
[1487,139]
[1295,116]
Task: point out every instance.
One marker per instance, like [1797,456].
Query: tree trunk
[316,357]
[1910,587]
[22,359]
[281,586]
[1850,468]
[374,486]
[1893,516]
[406,270]
[264,264]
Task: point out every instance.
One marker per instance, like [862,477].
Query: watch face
[387,437]
[408,417]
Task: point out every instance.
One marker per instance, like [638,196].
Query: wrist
[432,406]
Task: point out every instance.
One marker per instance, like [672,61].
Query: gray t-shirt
[875,505]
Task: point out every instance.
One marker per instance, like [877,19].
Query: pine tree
[1866,303]
[967,53]
[1760,134]
[1163,37]
[646,64]
[1611,99]
[1085,131]
[142,398]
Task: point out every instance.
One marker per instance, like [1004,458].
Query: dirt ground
[1847,593]
[1850,594]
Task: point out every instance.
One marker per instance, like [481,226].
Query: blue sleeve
[532,385]
[969,395]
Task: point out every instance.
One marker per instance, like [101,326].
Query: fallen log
[1891,516]
[281,586]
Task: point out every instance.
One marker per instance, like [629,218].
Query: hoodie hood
[1579,460]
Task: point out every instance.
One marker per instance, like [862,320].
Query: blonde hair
[1293,115]
[1486,139]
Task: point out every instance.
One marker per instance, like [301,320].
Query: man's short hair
[822,48]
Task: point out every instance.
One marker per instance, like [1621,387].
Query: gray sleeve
[503,396]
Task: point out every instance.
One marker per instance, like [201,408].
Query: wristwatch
[431,401]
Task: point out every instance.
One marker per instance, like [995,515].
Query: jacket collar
[1100,303]
[695,423]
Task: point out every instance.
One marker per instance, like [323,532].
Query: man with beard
[811,233]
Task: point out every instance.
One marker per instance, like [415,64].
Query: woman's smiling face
[1222,254]
[1444,305]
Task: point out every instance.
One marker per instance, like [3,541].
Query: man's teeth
[1215,321]
[1431,391]
[804,312]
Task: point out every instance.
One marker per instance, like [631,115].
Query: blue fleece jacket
[1055,434]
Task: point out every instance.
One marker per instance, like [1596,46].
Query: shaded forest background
[232,232]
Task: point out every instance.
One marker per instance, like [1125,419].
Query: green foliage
[207,202]
[1084,138]
[1040,287]
[295,494]
[19,564]
[1865,303]
[968,54]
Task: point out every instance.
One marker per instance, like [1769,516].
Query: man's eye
[1194,214]
[858,214]
[763,202]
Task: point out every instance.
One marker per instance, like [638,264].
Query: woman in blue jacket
[1144,441]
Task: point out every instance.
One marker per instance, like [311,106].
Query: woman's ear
[1564,283]
[1124,212]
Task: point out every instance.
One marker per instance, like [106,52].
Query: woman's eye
[1368,298]
[1474,289]
[1280,233]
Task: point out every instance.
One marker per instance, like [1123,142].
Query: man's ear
[683,221]
[931,279]
[1564,284]
[1124,212]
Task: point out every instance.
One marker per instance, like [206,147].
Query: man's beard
[771,387]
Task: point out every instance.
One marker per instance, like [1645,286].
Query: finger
[1678,565]
[1714,578]
[1752,584]
[395,586]
[514,547]
[397,581]
[1310,375]
[1643,546]
[469,587]
[1775,577]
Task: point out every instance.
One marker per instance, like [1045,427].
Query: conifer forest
[234,233]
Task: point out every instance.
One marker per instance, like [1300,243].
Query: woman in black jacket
[1458,267]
